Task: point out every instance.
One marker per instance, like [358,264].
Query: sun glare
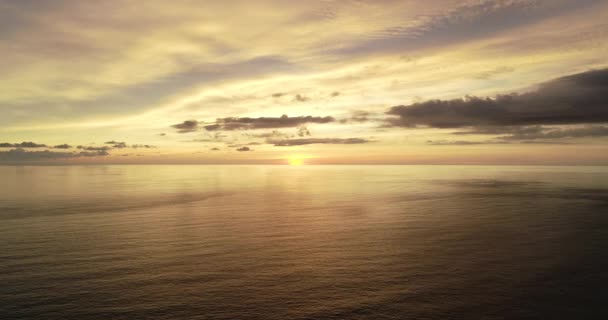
[295,161]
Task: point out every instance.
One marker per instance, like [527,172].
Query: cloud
[575,99]
[495,130]
[272,134]
[300,98]
[21,155]
[558,133]
[466,22]
[244,123]
[25,144]
[146,146]
[305,141]
[241,149]
[116,144]
[98,153]
[104,148]
[202,140]
[296,98]
[140,91]
[210,137]
[461,142]
[62,146]
[489,74]
[186,126]
[215,149]
[357,116]
[237,145]
[544,142]
[303,131]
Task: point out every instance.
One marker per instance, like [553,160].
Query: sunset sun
[295,161]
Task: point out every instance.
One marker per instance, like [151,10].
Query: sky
[304,82]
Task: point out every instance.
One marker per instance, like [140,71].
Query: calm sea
[306,242]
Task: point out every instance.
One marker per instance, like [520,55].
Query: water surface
[306,242]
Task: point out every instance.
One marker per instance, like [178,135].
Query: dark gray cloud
[238,145]
[544,142]
[593,131]
[25,144]
[91,148]
[98,153]
[186,126]
[245,123]
[215,149]
[538,132]
[496,130]
[116,144]
[576,99]
[21,155]
[241,149]
[145,146]
[305,141]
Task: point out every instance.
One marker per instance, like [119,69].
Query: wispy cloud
[358,116]
[122,145]
[116,144]
[62,146]
[25,144]
[467,22]
[272,134]
[92,148]
[246,123]
[537,133]
[461,142]
[300,142]
[21,155]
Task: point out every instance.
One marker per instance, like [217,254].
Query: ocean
[303,242]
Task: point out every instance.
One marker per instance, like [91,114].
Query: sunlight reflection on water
[305,242]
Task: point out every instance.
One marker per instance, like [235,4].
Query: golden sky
[312,82]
